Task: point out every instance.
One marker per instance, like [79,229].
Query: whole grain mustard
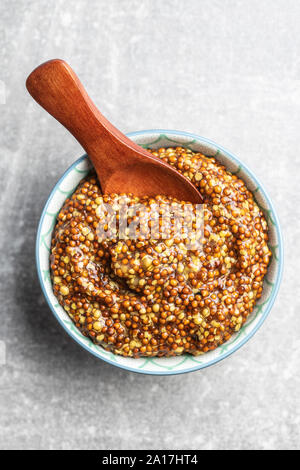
[158,297]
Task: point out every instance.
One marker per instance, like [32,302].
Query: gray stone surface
[226,69]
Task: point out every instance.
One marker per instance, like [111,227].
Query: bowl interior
[186,363]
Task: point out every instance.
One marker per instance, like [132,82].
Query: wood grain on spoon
[121,165]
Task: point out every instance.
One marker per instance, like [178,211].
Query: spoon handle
[56,87]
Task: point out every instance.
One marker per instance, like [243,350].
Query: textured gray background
[226,69]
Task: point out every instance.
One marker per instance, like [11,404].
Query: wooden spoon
[121,165]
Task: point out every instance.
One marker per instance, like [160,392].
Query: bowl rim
[276,282]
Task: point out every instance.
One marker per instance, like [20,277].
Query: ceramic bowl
[186,363]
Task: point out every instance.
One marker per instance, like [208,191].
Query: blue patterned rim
[276,283]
